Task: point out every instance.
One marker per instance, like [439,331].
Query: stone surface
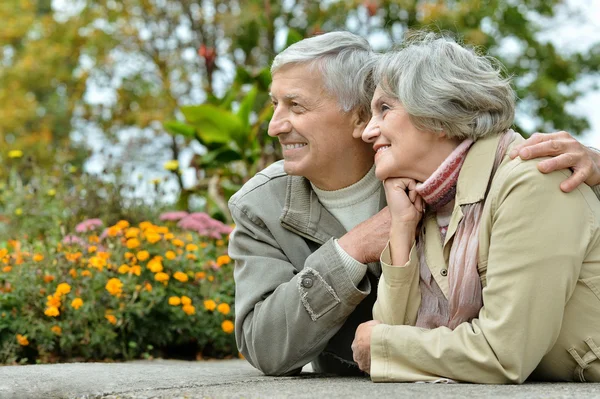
[236,379]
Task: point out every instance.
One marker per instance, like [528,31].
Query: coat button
[307,282]
[444,272]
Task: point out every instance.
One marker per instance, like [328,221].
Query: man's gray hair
[346,62]
[445,87]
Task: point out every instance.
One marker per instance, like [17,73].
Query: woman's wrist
[402,238]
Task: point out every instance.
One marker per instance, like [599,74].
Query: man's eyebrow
[292,96]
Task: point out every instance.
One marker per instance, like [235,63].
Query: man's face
[315,135]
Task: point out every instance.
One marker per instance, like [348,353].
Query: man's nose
[279,124]
[371,132]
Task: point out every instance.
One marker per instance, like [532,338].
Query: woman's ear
[360,120]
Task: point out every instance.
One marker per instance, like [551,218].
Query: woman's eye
[385,107]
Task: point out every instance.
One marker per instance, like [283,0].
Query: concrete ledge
[236,379]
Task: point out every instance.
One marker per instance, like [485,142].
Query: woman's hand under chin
[406,205]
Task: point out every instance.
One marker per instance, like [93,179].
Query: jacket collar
[304,215]
[473,178]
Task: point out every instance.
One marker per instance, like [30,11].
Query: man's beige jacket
[294,301]
[539,261]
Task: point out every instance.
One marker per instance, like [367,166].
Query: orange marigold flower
[53,300]
[155,265]
[92,249]
[143,255]
[220,243]
[145,225]
[48,278]
[113,231]
[38,257]
[3,252]
[148,287]
[203,245]
[223,260]
[111,318]
[97,262]
[73,273]
[129,255]
[180,276]
[22,340]
[133,243]
[94,239]
[114,286]
[6,269]
[210,305]
[186,300]
[132,232]
[56,330]
[223,308]
[191,256]
[169,236]
[191,247]
[200,275]
[136,270]
[211,278]
[73,257]
[63,289]
[77,303]
[122,224]
[104,255]
[161,277]
[227,326]
[124,269]
[174,301]
[51,311]
[153,238]
[86,273]
[178,243]
[170,255]
[189,309]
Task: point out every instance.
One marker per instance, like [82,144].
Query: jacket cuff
[379,353]
[399,275]
[324,283]
[356,270]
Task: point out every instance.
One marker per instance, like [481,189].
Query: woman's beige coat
[539,260]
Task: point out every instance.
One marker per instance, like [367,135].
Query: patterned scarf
[464,296]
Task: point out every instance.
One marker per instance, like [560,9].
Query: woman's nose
[371,132]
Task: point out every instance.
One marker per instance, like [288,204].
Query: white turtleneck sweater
[350,206]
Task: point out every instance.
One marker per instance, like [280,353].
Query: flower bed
[128,292]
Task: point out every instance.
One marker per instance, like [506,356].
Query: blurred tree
[69,68]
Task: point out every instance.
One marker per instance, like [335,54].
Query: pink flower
[204,225]
[73,239]
[88,225]
[173,216]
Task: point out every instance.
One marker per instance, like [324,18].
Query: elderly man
[310,229]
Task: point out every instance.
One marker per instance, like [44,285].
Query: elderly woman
[491,274]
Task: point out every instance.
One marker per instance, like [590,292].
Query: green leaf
[246,107]
[293,37]
[179,128]
[213,124]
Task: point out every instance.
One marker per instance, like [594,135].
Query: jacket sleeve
[539,238]
[285,316]
[398,293]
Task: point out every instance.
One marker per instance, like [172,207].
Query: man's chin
[293,169]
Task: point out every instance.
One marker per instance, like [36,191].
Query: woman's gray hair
[346,62]
[445,87]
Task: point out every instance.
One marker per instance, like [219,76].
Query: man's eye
[274,103]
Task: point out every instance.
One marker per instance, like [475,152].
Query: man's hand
[366,241]
[361,346]
[567,153]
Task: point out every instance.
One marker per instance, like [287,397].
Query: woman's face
[400,149]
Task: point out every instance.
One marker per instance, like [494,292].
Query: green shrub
[131,292]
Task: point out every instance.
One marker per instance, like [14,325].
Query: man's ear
[360,120]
